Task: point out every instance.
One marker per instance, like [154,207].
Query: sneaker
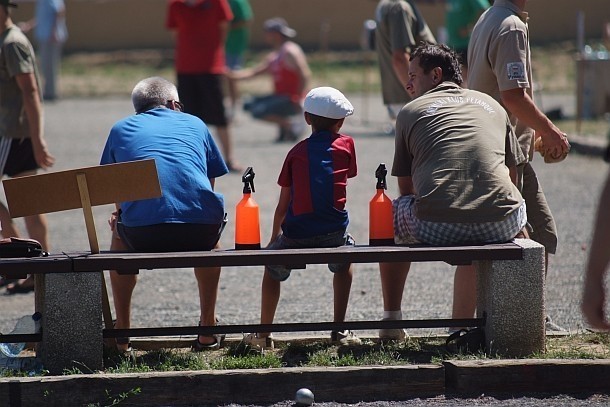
[551,326]
[344,338]
[260,343]
[392,334]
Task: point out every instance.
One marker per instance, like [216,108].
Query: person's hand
[43,158]
[112,221]
[555,150]
[593,305]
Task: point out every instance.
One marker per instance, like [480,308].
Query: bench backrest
[82,188]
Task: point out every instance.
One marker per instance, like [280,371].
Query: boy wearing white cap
[311,208]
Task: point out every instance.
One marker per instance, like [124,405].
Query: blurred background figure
[460,18]
[237,44]
[50,33]
[200,28]
[594,294]
[290,73]
[23,149]
[400,28]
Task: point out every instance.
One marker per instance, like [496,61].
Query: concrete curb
[336,384]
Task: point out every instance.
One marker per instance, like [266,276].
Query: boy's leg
[270,298]
[342,284]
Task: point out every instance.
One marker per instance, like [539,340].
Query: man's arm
[519,103]
[295,57]
[400,64]
[33,110]
[405,186]
[247,73]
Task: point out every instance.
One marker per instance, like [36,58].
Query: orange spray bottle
[247,226]
[381,218]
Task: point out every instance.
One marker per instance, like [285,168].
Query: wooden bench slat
[298,257]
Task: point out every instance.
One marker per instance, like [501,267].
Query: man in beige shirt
[500,65]
[455,160]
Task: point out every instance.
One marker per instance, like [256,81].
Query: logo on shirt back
[515,70]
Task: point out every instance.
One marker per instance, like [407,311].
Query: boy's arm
[280,213]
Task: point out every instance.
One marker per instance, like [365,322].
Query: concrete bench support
[71,305]
[511,296]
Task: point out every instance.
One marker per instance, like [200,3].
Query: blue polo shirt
[186,158]
[316,170]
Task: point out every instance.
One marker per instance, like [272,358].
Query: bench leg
[71,307]
[511,297]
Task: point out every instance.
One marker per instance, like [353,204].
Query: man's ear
[437,75]
[307,118]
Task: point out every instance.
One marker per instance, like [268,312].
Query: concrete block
[71,307]
[511,298]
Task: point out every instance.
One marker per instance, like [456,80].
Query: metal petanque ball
[304,397]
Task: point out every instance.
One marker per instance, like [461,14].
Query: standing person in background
[500,65]
[50,31]
[201,28]
[23,149]
[237,43]
[290,72]
[400,28]
[460,17]
[594,293]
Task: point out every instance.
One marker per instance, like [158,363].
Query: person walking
[23,148]
[500,65]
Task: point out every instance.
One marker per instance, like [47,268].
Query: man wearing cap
[311,208]
[500,65]
[23,149]
[201,28]
[290,72]
[400,28]
[455,160]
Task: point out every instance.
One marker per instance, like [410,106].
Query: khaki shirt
[457,144]
[499,59]
[400,26]
[16,57]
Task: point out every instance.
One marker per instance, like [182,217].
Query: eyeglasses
[177,104]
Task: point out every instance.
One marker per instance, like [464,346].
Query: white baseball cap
[328,102]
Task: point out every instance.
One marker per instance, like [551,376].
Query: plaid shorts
[336,239]
[410,230]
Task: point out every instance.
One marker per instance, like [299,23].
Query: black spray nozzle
[248,180]
[380,174]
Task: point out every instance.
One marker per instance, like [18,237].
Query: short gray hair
[152,92]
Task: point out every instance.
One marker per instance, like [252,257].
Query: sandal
[6,281]
[21,286]
[218,340]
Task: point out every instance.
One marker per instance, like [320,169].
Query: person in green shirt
[237,43]
[460,17]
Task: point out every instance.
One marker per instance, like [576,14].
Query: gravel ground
[76,131]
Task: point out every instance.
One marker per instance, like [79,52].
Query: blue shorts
[408,229]
[336,239]
[272,105]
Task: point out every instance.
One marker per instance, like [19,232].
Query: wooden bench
[510,276]
[510,292]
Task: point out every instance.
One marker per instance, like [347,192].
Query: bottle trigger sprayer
[381,218]
[247,227]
